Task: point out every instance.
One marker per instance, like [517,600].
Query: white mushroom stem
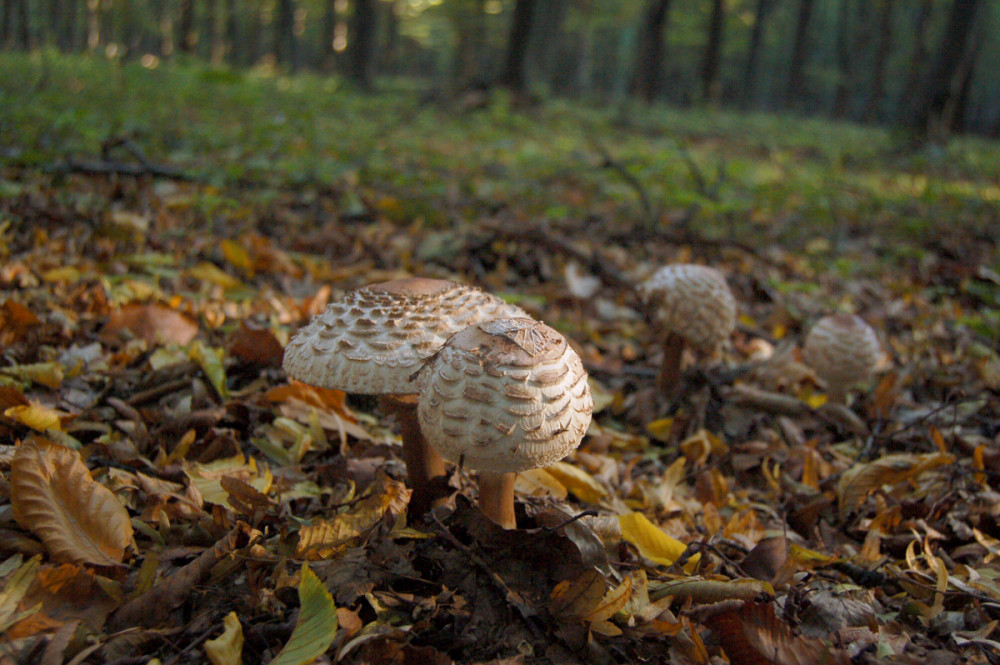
[496,497]
[670,370]
[423,462]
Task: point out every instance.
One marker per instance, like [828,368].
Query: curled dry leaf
[157,324]
[54,496]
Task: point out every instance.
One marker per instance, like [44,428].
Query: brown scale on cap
[503,397]
[373,339]
[693,305]
[844,351]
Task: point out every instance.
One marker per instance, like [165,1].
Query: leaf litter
[166,492]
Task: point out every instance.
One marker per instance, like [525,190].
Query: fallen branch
[786,405]
[154,606]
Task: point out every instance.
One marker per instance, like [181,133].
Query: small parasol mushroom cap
[505,396]
[843,350]
[373,339]
[692,301]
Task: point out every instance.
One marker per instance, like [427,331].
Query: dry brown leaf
[157,324]
[256,346]
[753,635]
[54,496]
[861,480]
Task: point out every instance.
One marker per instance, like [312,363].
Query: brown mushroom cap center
[417,286]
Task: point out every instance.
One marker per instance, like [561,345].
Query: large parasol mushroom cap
[373,339]
[692,301]
[505,396]
[844,351]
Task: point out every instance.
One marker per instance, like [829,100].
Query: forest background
[928,65]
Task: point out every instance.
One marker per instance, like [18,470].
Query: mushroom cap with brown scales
[505,396]
[691,301]
[374,338]
[843,350]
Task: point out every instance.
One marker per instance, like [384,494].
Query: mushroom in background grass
[692,306]
[503,397]
[844,351]
[372,341]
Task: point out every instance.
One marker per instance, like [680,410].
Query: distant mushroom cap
[374,338]
[692,301]
[843,350]
[505,396]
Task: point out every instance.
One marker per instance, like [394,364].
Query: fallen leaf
[577,481]
[650,540]
[227,649]
[154,323]
[54,496]
[316,626]
[14,590]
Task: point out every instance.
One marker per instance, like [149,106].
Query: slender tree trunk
[215,48]
[648,80]
[517,46]
[284,35]
[842,95]
[470,24]
[926,116]
[710,87]
[881,60]
[390,58]
[327,30]
[187,37]
[232,33]
[955,111]
[753,53]
[796,72]
[93,24]
[362,43]
[918,59]
[546,39]
[22,25]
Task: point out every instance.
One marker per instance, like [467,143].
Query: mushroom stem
[423,462]
[670,370]
[496,497]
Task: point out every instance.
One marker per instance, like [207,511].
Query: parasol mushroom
[374,338]
[693,306]
[844,351]
[503,397]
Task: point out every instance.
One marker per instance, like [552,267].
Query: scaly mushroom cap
[692,301]
[843,350]
[373,339]
[505,396]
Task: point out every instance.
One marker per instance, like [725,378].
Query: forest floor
[166,492]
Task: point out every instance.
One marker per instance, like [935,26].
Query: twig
[609,162]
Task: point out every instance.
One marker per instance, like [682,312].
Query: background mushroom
[692,305]
[844,351]
[373,339]
[502,397]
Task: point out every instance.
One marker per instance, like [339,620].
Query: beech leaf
[54,496]
[317,625]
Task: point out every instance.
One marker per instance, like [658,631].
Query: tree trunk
[22,24]
[284,35]
[390,56]
[926,116]
[955,111]
[647,81]
[871,111]
[469,21]
[918,59]
[753,53]
[232,33]
[547,37]
[517,46]
[185,26]
[796,72]
[710,88]
[842,95]
[362,44]
[327,31]
[215,48]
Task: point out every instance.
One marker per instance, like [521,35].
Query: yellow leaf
[54,496]
[48,374]
[37,417]
[210,361]
[815,400]
[538,482]
[209,272]
[67,274]
[317,624]
[227,649]
[650,540]
[208,477]
[578,482]
[613,601]
[661,429]
[238,257]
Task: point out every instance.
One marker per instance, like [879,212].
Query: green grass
[783,178]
